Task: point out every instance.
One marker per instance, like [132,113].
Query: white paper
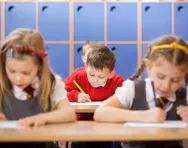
[165,124]
[86,103]
[9,124]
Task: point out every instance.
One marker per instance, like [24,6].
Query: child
[97,79]
[87,47]
[167,66]
[29,91]
[99,82]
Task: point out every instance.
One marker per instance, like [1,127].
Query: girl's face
[167,77]
[21,72]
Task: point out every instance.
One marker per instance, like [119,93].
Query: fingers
[83,98]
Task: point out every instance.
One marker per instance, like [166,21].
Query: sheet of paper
[9,124]
[165,124]
[86,103]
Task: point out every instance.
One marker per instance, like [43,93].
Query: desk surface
[91,131]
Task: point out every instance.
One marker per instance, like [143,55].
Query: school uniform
[96,94]
[139,96]
[17,105]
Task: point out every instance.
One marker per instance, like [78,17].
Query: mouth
[20,85]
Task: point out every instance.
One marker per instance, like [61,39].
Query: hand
[155,115]
[36,120]
[82,97]
[182,111]
[2,116]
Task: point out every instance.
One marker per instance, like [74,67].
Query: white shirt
[126,95]
[59,91]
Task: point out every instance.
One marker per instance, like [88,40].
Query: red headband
[30,51]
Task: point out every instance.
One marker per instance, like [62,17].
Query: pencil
[81,90]
[153,88]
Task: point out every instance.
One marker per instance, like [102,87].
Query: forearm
[112,114]
[60,115]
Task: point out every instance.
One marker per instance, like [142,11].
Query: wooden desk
[91,131]
[79,108]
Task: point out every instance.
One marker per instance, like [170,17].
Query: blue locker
[19,15]
[156,20]
[126,59]
[144,52]
[77,56]
[88,21]
[59,58]
[54,20]
[181,20]
[122,22]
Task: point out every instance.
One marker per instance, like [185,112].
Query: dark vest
[140,103]
[15,109]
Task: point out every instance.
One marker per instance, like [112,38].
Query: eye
[161,77]
[175,81]
[101,77]
[26,73]
[12,71]
[91,75]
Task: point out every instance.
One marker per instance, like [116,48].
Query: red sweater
[96,94]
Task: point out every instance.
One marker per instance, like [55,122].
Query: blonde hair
[27,38]
[89,45]
[173,49]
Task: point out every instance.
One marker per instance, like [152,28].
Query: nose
[95,80]
[19,78]
[166,85]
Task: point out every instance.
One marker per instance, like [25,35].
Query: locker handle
[112,8]
[113,48]
[79,49]
[44,8]
[147,8]
[10,8]
[180,8]
[79,8]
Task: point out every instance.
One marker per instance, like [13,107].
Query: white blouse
[126,95]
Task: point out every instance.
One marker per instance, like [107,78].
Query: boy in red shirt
[97,79]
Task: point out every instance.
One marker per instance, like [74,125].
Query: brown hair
[101,57]
[174,55]
[27,38]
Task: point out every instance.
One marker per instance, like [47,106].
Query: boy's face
[21,72]
[167,77]
[98,78]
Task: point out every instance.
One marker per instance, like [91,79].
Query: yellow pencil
[81,90]
[78,86]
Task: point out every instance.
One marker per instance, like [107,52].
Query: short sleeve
[59,91]
[126,93]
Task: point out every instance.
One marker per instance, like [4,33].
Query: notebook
[86,103]
[9,124]
[165,124]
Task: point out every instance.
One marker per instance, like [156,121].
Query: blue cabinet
[19,15]
[88,21]
[59,58]
[181,20]
[122,22]
[78,53]
[156,20]
[126,59]
[54,21]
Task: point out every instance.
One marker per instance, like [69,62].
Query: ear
[147,65]
[83,59]
[112,74]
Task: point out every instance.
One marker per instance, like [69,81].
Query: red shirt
[96,94]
